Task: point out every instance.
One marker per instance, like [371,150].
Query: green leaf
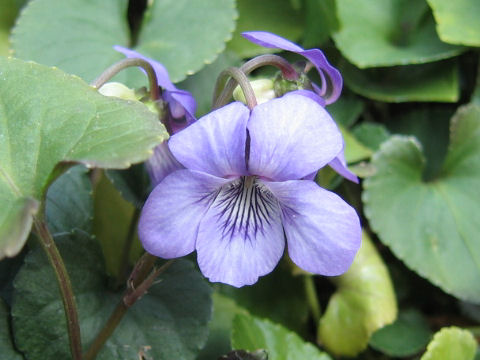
[457,21]
[132,183]
[278,17]
[320,21]
[170,322]
[389,32]
[75,35]
[251,333]
[371,134]
[347,109]
[407,336]
[363,303]
[441,240]
[224,311]
[66,37]
[451,344]
[429,82]
[354,149]
[6,344]
[184,50]
[49,119]
[111,226]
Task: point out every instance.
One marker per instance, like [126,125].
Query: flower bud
[263,89]
[118,90]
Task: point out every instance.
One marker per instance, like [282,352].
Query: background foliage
[410,114]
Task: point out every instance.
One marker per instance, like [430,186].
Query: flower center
[245,207]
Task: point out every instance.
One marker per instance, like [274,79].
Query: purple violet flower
[331,81]
[182,105]
[240,194]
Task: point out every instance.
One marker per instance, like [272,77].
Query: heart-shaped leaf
[170,322]
[451,343]
[251,333]
[66,37]
[427,82]
[48,118]
[432,226]
[457,21]
[364,302]
[389,32]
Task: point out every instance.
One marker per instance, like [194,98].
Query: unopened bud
[119,90]
[263,89]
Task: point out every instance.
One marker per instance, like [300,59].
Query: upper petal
[291,137]
[331,78]
[241,236]
[171,215]
[214,144]
[323,232]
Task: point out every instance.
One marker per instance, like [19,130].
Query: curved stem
[239,77]
[288,72]
[126,63]
[65,286]
[141,279]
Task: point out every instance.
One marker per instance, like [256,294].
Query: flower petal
[169,221]
[173,95]
[161,163]
[291,137]
[241,236]
[323,232]
[331,78]
[340,166]
[214,144]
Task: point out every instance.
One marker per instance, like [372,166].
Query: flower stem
[126,63]
[127,246]
[288,72]
[312,297]
[140,280]
[239,77]
[65,286]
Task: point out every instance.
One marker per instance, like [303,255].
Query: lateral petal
[323,232]
[171,215]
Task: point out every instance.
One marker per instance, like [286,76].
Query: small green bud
[282,86]
[263,89]
[119,90]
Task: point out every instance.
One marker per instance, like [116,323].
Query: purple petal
[310,94]
[171,216]
[241,236]
[184,98]
[214,144]
[323,232]
[331,78]
[340,166]
[161,163]
[291,137]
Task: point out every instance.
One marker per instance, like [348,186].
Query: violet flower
[331,86]
[240,194]
[182,107]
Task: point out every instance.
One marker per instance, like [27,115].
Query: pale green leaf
[441,240]
[451,343]
[48,118]
[363,303]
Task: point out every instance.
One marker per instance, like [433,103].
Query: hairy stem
[65,286]
[288,72]
[126,63]
[140,280]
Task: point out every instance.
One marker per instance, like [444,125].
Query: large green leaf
[6,344]
[432,226]
[184,49]
[170,322]
[389,32]
[251,333]
[277,16]
[48,118]
[427,82]
[457,21]
[78,35]
[8,13]
[451,343]
[364,302]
